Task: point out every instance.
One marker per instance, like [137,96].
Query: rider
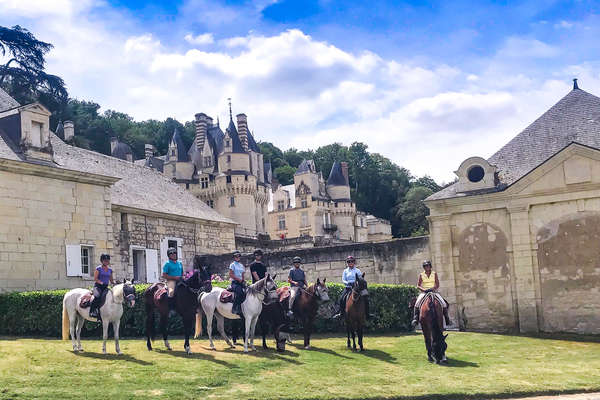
[297,280]
[236,273]
[428,282]
[258,269]
[102,276]
[172,271]
[348,279]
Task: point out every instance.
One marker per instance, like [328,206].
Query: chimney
[129,157]
[148,151]
[344,166]
[209,121]
[69,130]
[200,123]
[113,144]
[242,127]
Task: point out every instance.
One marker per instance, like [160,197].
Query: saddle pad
[226,297]
[86,300]
[160,292]
[283,292]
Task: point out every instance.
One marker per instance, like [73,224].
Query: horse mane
[117,291]
[258,285]
[436,331]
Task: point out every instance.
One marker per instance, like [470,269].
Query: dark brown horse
[273,315]
[307,304]
[432,323]
[186,303]
[356,311]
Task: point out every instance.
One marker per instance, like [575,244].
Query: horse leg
[104,334]
[116,325]
[348,332]
[209,322]
[252,329]
[187,327]
[248,326]
[353,340]
[360,338]
[73,321]
[307,329]
[428,347]
[80,322]
[264,330]
[164,325]
[221,328]
[149,325]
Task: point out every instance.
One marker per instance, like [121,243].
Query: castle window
[211,203]
[280,205]
[263,224]
[475,173]
[228,159]
[304,217]
[207,161]
[335,203]
[304,202]
[36,134]
[187,185]
[204,182]
[228,179]
[281,222]
[87,257]
[123,221]
[173,152]
[245,177]
[227,143]
[232,201]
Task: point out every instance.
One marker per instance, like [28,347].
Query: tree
[412,212]
[285,174]
[428,182]
[23,75]
[292,157]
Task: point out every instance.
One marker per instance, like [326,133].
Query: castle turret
[242,126]
[201,129]
[338,187]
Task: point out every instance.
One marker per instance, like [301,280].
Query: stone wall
[39,217]
[394,261]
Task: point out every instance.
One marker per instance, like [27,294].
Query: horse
[74,316]
[274,315]
[307,304]
[432,325]
[356,312]
[186,303]
[263,289]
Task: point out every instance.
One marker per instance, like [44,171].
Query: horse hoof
[430,359]
[245,350]
[306,347]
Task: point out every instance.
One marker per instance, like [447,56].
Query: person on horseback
[348,279]
[428,282]
[172,272]
[103,275]
[297,280]
[258,269]
[236,273]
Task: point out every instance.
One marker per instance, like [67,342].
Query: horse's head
[321,291]
[200,280]
[439,347]
[360,285]
[129,293]
[270,289]
[280,338]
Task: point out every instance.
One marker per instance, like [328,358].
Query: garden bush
[39,313]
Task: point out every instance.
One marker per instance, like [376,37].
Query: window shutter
[73,252]
[164,245]
[152,267]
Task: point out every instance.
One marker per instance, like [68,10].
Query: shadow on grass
[453,362]
[113,357]
[319,350]
[197,356]
[267,354]
[378,354]
[465,396]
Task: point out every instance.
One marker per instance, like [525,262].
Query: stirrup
[414,322]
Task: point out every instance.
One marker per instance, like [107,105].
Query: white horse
[111,311]
[262,290]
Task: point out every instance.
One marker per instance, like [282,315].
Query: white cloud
[205,38]
[564,25]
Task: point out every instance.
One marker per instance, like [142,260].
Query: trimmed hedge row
[39,313]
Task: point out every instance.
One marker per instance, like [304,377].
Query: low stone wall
[393,261]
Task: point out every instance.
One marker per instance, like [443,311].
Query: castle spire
[230,113]
[575,86]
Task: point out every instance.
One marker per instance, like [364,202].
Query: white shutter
[164,245]
[152,267]
[73,253]
[180,250]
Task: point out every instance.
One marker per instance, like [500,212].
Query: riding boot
[93,312]
[446,317]
[415,320]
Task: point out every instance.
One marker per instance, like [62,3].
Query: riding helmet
[297,260]
[258,252]
[237,253]
[104,257]
[426,263]
[350,258]
[171,250]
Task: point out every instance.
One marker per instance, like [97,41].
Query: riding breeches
[239,294]
[171,287]
[293,293]
[343,298]
[437,295]
[97,291]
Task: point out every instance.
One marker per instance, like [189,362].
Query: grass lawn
[480,365]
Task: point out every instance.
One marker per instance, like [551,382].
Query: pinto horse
[186,301]
[307,304]
[432,324]
[356,311]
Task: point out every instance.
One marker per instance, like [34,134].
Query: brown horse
[356,311]
[307,304]
[186,303]
[432,323]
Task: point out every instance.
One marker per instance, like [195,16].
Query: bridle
[356,294]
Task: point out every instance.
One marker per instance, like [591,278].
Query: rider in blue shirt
[348,279]
[172,272]
[236,273]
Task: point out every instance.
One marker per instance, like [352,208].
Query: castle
[225,170]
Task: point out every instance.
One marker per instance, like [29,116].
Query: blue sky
[427,84]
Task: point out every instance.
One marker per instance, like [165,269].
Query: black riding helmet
[104,257]
[171,250]
[258,252]
[426,263]
[237,253]
[297,260]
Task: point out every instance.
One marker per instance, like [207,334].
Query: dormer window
[475,173]
[227,143]
[37,130]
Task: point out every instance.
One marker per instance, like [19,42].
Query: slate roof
[305,166]
[121,151]
[336,177]
[236,144]
[182,155]
[575,118]
[268,172]
[252,145]
[156,163]
[7,102]
[60,130]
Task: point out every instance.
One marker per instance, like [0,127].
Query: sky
[425,83]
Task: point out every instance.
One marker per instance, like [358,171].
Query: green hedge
[39,313]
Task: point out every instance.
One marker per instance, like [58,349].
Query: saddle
[87,299]
[159,294]
[284,293]
[226,297]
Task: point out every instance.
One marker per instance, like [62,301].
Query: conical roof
[182,155]
[336,176]
[236,144]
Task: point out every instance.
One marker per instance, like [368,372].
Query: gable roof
[236,144]
[575,118]
[182,155]
[7,102]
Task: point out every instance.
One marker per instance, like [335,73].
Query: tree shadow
[196,356]
[319,349]
[267,354]
[113,357]
[456,363]
[380,355]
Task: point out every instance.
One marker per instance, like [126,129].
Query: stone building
[517,238]
[62,206]
[225,170]
[315,208]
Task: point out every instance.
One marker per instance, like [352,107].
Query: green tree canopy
[285,174]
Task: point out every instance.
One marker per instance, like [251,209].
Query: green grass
[480,365]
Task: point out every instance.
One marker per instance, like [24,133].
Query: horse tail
[65,320]
[149,301]
[199,313]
